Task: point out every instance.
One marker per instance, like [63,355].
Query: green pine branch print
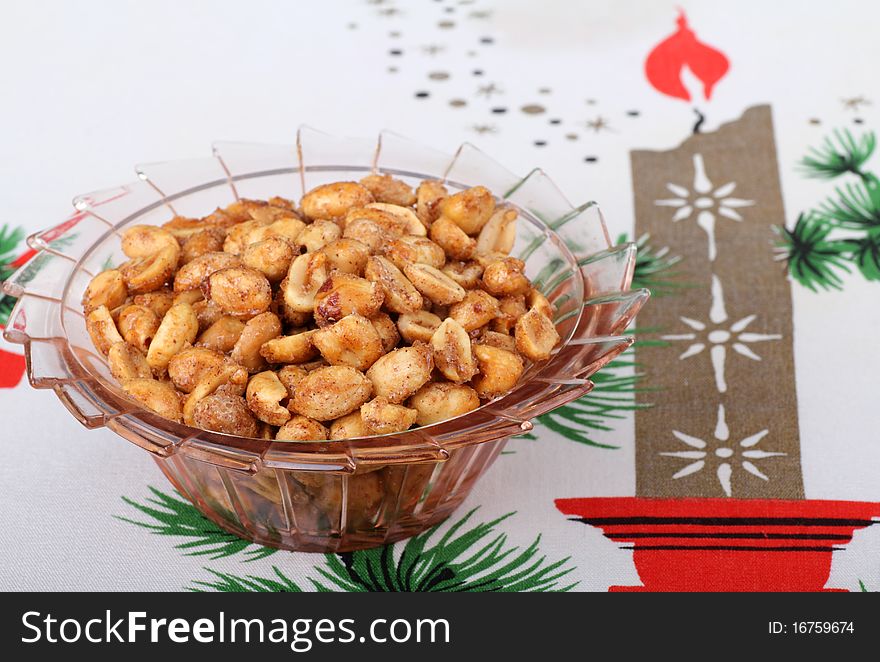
[10,238]
[467,557]
[841,235]
[170,516]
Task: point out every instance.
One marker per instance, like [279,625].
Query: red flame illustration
[664,64]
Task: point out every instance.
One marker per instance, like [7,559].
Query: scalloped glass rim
[535,196]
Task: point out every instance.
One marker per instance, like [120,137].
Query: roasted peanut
[283,203]
[188,367]
[207,313]
[499,371]
[138,325]
[126,362]
[387,331]
[352,341]
[209,240]
[286,228]
[296,348]
[227,378]
[429,195]
[159,301]
[317,235]
[400,373]
[271,213]
[256,332]
[146,240]
[330,201]
[102,329]
[302,428]
[290,376]
[452,238]
[239,291]
[418,326]
[400,295]
[159,397]
[499,233]
[434,284]
[349,426]
[477,309]
[182,227]
[189,296]
[387,189]
[466,274]
[439,401]
[382,417]
[453,355]
[192,274]
[331,392]
[271,257]
[239,236]
[411,249]
[347,255]
[391,224]
[539,302]
[243,209]
[222,334]
[506,278]
[264,395]
[510,309]
[306,275]
[145,274]
[368,233]
[343,294]
[223,412]
[179,327]
[289,317]
[497,339]
[535,335]
[106,289]
[469,209]
[407,217]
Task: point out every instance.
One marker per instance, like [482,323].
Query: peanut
[302,428]
[499,233]
[434,284]
[192,274]
[352,341]
[290,376]
[469,209]
[343,294]
[137,325]
[158,397]
[106,289]
[453,239]
[146,240]
[239,291]
[223,412]
[349,426]
[295,348]
[317,235]
[306,275]
[179,327]
[209,240]
[400,295]
[387,331]
[382,417]
[535,336]
[331,392]
[387,189]
[145,274]
[418,326]
[271,257]
[429,195]
[222,334]
[506,278]
[476,309]
[347,255]
[188,367]
[126,362]
[410,249]
[368,233]
[407,217]
[400,373]
[264,395]
[466,274]
[453,355]
[439,401]
[256,333]
[499,371]
[330,201]
[102,329]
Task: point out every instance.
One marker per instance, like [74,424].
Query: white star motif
[706,200]
[718,335]
[701,455]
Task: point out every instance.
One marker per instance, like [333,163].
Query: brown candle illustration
[724,417]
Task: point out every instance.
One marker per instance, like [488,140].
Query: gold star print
[484,128]
[854,103]
[598,124]
[432,49]
[488,90]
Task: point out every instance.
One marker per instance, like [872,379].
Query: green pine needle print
[655,268]
[10,238]
[841,235]
[177,517]
[467,557]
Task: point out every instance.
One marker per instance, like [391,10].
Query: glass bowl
[339,495]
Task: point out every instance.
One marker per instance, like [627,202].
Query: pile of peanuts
[371,308]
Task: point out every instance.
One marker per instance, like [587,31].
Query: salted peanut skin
[331,392]
[352,341]
[222,412]
[102,329]
[264,395]
[106,289]
[382,417]
[127,362]
[302,428]
[239,291]
[535,335]
[453,355]
[255,334]
[500,370]
[439,401]
[400,373]
[179,327]
[159,397]
[330,201]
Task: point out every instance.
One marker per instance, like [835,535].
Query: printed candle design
[724,420]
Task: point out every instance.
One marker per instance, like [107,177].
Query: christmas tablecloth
[735,447]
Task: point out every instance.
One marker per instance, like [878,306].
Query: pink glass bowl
[339,495]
